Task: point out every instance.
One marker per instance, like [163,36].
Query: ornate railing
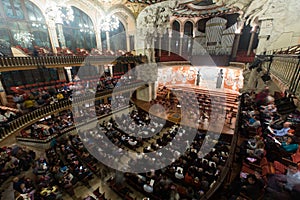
[32,117]
[9,63]
[67,130]
[284,70]
[291,50]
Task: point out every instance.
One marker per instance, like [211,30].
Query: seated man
[278,183]
[286,130]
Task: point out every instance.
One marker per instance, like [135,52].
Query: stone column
[180,43]
[170,40]
[235,45]
[238,33]
[154,90]
[69,73]
[253,31]
[53,35]
[128,42]
[145,47]
[61,36]
[153,50]
[253,80]
[107,40]
[110,67]
[159,45]
[145,94]
[98,38]
[61,74]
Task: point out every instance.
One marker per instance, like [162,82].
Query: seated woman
[290,145]
[257,151]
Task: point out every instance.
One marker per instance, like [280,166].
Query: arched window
[118,38]
[188,28]
[175,37]
[79,33]
[22,23]
[187,39]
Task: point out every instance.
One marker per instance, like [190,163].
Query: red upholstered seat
[279,167]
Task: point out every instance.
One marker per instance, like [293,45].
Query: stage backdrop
[208,77]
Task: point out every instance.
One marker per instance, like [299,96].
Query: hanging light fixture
[24,38]
[84,28]
[109,23]
[59,12]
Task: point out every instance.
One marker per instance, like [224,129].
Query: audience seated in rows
[274,141]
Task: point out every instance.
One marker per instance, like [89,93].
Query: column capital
[51,24]
[97,31]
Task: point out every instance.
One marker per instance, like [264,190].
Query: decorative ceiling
[202,9]
[136,8]
[205,13]
[185,8]
[149,2]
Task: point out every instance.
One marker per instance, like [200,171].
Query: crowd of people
[29,100]
[49,127]
[190,175]
[66,164]
[268,153]
[196,107]
[55,125]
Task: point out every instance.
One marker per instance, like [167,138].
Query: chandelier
[109,23]
[84,28]
[59,12]
[24,38]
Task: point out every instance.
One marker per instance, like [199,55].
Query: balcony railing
[8,63]
[285,71]
[34,116]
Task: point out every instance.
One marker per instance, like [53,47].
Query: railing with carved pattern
[285,71]
[7,63]
[32,117]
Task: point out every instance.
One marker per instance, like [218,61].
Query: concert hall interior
[149,99]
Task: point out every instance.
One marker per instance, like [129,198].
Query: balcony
[25,63]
